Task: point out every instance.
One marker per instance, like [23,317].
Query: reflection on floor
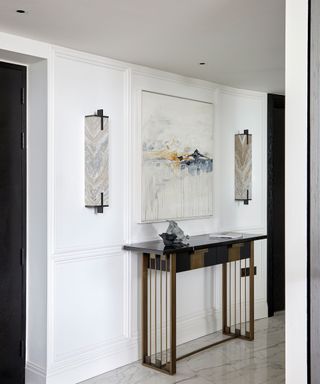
[261,361]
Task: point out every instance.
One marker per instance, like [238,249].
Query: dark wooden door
[276,203]
[12,223]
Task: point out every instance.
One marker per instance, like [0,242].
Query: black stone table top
[195,242]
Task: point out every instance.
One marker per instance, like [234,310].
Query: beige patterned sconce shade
[97,161]
[243,167]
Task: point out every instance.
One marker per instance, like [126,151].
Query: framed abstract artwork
[97,161]
[243,167]
[177,158]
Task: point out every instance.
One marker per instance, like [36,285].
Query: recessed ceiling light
[20,11]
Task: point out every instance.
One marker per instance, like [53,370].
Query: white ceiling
[242,41]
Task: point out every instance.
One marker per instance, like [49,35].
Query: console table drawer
[208,257]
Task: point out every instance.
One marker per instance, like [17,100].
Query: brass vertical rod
[173,318]
[240,280]
[155,308]
[145,261]
[161,308]
[235,296]
[229,266]
[166,309]
[245,296]
[150,306]
[224,297]
[251,290]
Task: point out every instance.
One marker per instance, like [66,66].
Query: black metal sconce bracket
[246,201]
[246,132]
[100,207]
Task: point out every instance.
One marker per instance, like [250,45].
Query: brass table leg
[159,312]
[232,299]
[251,335]
[145,263]
[225,328]
[173,320]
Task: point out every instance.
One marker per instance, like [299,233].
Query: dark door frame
[274,101]
[24,208]
[23,70]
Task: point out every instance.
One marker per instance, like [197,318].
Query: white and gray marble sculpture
[174,236]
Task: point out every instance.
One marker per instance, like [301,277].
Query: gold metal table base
[159,302]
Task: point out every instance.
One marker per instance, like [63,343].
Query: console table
[159,268]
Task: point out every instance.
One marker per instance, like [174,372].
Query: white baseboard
[187,329]
[260,310]
[98,366]
[35,374]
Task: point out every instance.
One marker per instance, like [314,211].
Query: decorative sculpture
[174,236]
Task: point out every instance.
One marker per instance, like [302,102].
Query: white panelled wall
[92,311]
[95,307]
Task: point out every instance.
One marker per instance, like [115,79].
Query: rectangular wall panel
[88,304]
[90,87]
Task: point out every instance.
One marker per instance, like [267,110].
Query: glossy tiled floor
[235,362]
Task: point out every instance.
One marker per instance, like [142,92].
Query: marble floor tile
[261,361]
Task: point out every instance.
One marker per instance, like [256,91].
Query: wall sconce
[243,167]
[96,161]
